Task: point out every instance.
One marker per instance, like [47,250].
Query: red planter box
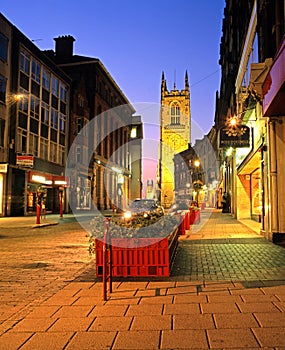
[184,222]
[194,216]
[139,256]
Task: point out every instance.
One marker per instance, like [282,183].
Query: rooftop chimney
[64,46]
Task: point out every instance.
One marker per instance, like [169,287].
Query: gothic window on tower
[175,113]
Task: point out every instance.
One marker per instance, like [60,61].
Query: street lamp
[120,190]
[196,183]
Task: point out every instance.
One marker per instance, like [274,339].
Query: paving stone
[231,338]
[235,320]
[184,339]
[111,323]
[193,321]
[88,301]
[116,300]
[258,307]
[33,325]
[222,308]
[176,309]
[109,310]
[261,298]
[74,324]
[268,319]
[137,340]
[215,298]
[270,336]
[91,340]
[69,311]
[189,299]
[145,309]
[43,311]
[145,323]
[165,299]
[44,341]
[13,340]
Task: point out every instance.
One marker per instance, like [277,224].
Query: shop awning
[250,163]
[273,88]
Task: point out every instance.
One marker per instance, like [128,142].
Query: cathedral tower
[175,134]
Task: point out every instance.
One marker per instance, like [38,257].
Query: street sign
[25,160]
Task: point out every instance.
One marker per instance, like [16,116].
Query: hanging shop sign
[237,137]
[25,160]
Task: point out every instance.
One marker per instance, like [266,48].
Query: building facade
[251,172]
[37,98]
[5,81]
[175,135]
[100,153]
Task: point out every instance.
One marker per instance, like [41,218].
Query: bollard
[107,261]
[38,214]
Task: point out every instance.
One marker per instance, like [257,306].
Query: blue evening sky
[136,40]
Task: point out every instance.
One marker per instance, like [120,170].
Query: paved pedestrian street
[226,291]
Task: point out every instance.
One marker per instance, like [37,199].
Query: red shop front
[48,190]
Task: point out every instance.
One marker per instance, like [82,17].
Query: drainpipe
[273,191]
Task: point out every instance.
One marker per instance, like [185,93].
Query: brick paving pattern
[226,291]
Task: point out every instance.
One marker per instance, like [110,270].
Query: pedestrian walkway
[226,291]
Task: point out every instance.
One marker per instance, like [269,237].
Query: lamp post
[196,182]
[120,190]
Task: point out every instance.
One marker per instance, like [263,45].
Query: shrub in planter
[143,247]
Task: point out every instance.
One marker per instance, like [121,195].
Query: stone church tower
[175,135]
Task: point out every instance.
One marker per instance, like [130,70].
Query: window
[43,148]
[54,118]
[25,62]
[78,156]
[33,144]
[175,113]
[2,132]
[3,47]
[46,79]
[53,152]
[35,107]
[3,82]
[22,141]
[134,132]
[23,102]
[62,92]
[61,155]
[45,113]
[62,122]
[36,71]
[55,86]
[80,101]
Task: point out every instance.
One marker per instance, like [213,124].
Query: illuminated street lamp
[120,190]
[197,184]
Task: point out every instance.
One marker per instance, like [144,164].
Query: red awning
[273,88]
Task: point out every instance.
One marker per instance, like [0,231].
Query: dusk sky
[136,41]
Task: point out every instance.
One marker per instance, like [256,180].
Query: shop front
[47,190]
[250,189]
